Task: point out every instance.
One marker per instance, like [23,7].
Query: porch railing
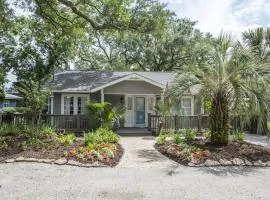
[176,122]
[198,122]
[76,123]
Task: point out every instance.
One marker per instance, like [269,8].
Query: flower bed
[200,152]
[42,144]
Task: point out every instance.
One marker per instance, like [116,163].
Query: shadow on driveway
[229,170]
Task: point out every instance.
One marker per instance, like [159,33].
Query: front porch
[138,106]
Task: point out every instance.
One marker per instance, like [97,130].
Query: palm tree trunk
[219,119]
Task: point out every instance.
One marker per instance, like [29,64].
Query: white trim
[71,92]
[132,76]
[192,102]
[131,94]
[102,95]
[52,102]
[75,101]
[132,113]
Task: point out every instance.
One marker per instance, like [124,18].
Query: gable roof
[86,81]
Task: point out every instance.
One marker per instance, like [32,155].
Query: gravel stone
[248,163]
[210,163]
[19,159]
[10,160]
[259,163]
[61,161]
[238,161]
[225,162]
[74,163]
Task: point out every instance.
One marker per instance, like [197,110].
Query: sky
[234,16]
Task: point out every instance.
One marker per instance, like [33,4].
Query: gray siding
[96,96]
[57,103]
[133,87]
[114,99]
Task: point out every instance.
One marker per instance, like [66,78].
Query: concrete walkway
[140,153]
[258,139]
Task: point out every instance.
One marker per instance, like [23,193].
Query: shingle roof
[81,80]
[11,96]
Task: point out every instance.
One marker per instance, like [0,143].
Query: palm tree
[259,41]
[230,79]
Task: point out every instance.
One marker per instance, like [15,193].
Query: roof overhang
[133,76]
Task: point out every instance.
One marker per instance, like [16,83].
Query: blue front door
[140,110]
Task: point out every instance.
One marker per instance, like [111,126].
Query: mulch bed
[240,150]
[52,151]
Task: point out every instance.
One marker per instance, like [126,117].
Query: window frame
[191,98]
[75,103]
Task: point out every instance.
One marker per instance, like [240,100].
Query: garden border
[236,162]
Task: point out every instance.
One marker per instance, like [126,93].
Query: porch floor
[133,132]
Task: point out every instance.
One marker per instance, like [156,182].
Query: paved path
[258,139]
[142,174]
[140,153]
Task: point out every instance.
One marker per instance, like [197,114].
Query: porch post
[102,96]
[51,111]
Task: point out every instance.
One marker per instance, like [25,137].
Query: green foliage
[177,138]
[103,114]
[161,139]
[162,108]
[238,136]
[16,110]
[101,136]
[34,97]
[66,139]
[189,135]
[10,130]
[234,80]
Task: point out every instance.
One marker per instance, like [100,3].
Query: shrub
[104,114]
[10,130]
[238,136]
[100,136]
[67,139]
[161,139]
[177,138]
[189,135]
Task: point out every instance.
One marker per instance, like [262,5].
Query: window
[129,103]
[49,105]
[186,106]
[68,105]
[74,104]
[6,104]
[81,103]
[151,103]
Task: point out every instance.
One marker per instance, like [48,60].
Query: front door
[140,111]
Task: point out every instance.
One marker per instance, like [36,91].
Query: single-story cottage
[10,101]
[138,91]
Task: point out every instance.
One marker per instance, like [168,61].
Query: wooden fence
[76,123]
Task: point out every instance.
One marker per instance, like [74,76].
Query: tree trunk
[219,119]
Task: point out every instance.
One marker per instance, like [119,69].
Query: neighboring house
[138,91]
[10,100]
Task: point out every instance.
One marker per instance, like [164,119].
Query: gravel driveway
[142,174]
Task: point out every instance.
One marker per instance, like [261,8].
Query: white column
[51,104]
[102,96]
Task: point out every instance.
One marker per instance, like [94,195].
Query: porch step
[134,132]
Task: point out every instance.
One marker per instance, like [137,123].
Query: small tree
[34,98]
